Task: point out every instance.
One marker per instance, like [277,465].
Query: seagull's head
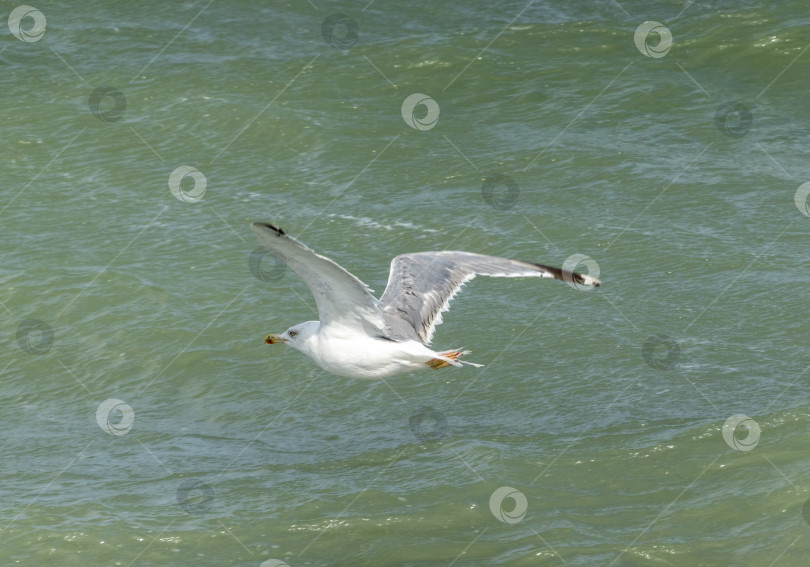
[295,336]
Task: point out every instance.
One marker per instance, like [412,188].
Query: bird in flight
[360,336]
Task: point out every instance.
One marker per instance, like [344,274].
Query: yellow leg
[439,363]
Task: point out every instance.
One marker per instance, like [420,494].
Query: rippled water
[144,420]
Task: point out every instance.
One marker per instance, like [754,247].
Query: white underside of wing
[344,302]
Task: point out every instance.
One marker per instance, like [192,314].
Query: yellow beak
[273,339]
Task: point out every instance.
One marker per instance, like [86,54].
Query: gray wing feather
[421,286]
[340,296]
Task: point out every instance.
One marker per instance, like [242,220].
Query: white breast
[367,357]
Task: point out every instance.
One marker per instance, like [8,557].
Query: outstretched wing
[342,299]
[421,286]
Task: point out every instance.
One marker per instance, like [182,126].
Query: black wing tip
[569,276]
[274,228]
[581,279]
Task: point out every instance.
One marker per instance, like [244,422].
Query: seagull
[360,336]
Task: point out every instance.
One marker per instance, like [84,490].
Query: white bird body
[360,336]
[366,358]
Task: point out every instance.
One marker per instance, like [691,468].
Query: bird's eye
[293,333]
